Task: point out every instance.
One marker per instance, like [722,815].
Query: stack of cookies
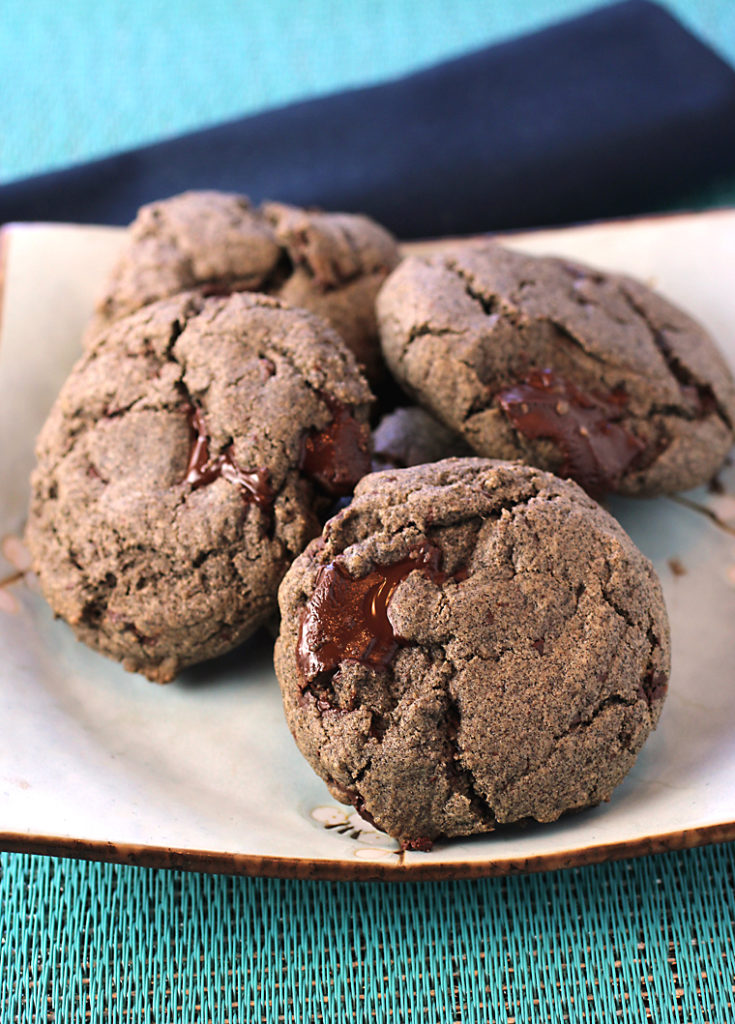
[413,452]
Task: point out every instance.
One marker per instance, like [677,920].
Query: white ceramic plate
[203,773]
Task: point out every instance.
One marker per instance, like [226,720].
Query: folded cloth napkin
[615,112]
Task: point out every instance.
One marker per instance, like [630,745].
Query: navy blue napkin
[615,112]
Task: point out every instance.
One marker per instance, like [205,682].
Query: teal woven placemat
[650,939]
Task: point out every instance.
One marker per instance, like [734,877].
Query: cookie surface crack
[457,771]
[681,373]
[489,304]
[569,336]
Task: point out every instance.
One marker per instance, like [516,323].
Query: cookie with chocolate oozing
[588,374]
[468,644]
[329,263]
[409,436]
[180,471]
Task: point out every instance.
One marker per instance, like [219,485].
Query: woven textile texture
[650,939]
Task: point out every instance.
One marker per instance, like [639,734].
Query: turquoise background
[81,79]
[652,938]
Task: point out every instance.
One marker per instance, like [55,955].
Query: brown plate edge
[253,865]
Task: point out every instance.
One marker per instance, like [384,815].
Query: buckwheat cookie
[468,644]
[179,469]
[329,263]
[409,436]
[587,374]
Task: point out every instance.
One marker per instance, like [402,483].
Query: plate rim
[264,866]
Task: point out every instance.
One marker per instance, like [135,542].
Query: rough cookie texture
[471,643]
[586,374]
[177,473]
[329,263]
[409,436]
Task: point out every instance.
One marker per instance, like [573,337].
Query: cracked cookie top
[329,263]
[471,643]
[179,469]
[587,374]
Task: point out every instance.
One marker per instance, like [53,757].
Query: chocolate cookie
[409,436]
[178,469]
[329,263]
[589,375]
[471,643]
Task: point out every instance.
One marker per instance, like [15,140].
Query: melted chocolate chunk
[421,843]
[654,686]
[347,619]
[202,470]
[339,455]
[359,805]
[597,449]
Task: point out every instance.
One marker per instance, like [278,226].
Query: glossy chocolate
[202,470]
[597,448]
[654,687]
[347,619]
[339,455]
[422,843]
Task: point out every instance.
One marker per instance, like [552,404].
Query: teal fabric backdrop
[82,79]
[647,939]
